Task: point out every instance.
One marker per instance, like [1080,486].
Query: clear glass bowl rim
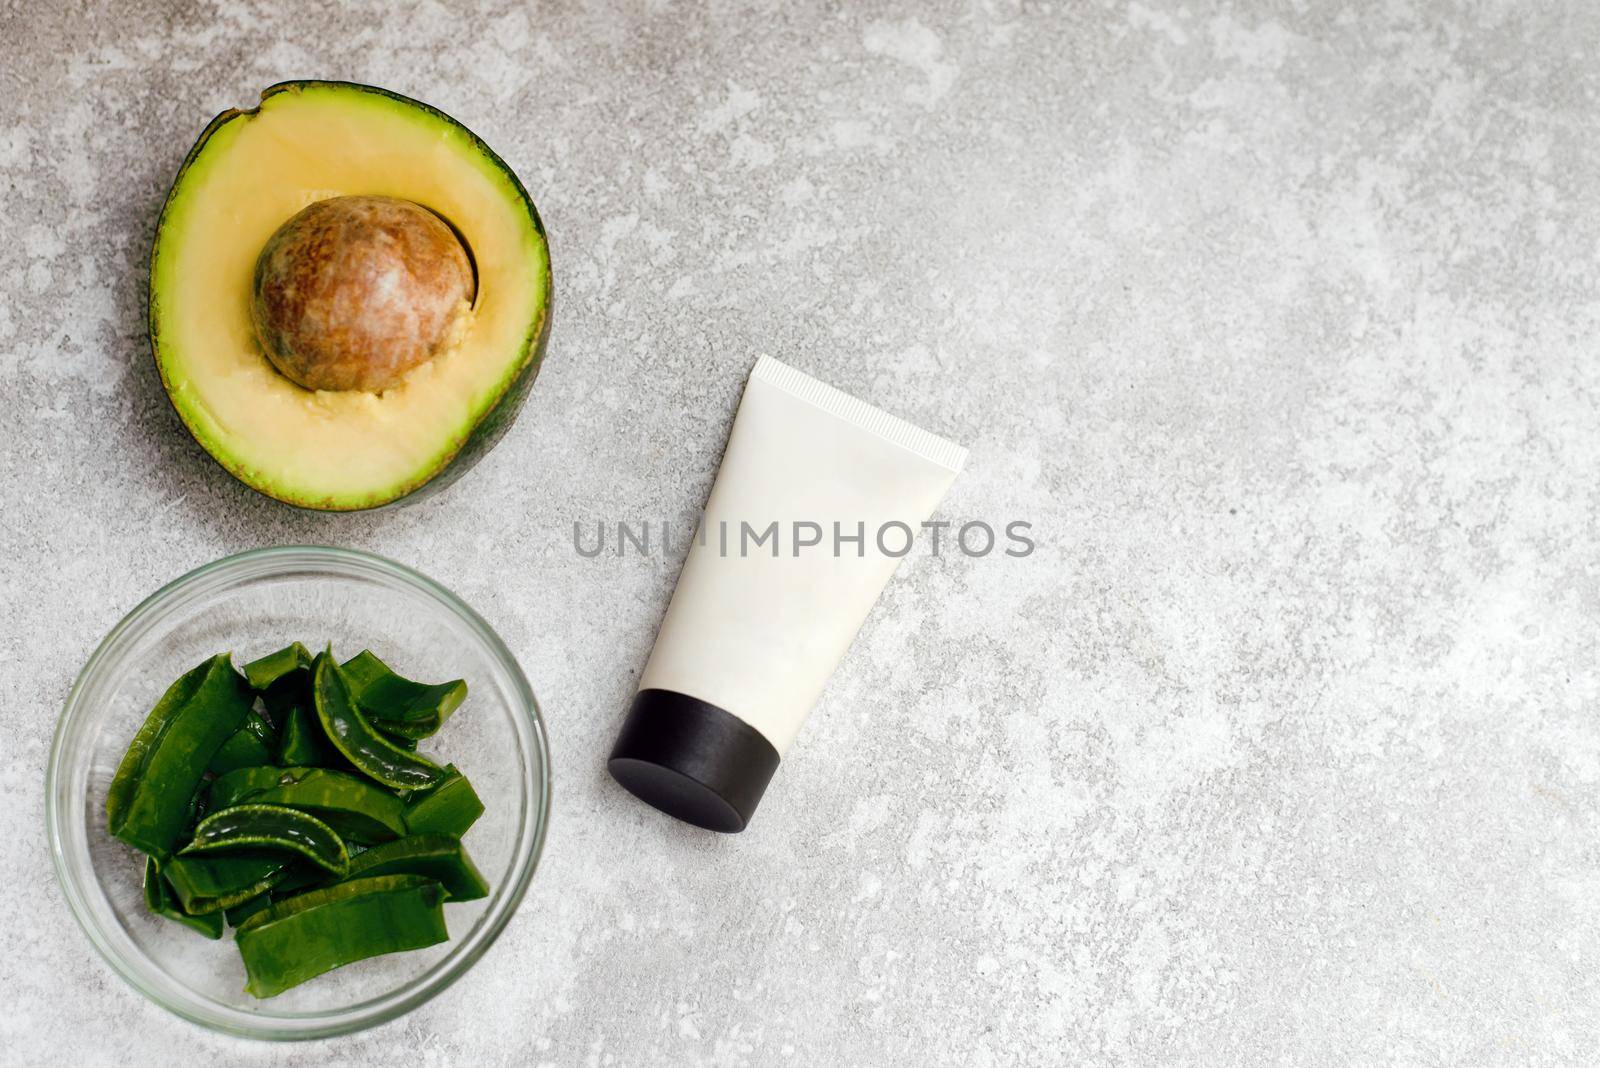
[287,559]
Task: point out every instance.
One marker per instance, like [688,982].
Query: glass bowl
[251,604]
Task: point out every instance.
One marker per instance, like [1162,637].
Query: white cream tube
[819,498]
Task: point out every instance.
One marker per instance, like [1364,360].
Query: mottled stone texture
[1276,320]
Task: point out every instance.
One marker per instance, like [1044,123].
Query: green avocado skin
[497,417]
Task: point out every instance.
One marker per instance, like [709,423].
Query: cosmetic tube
[818,499]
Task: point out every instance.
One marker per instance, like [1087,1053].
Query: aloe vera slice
[363,745]
[228,790]
[356,808]
[450,808]
[305,743]
[304,936]
[159,899]
[252,745]
[302,877]
[271,828]
[287,700]
[436,856]
[148,802]
[397,705]
[206,884]
[268,669]
[246,909]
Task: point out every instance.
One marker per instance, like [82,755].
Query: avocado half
[248,173]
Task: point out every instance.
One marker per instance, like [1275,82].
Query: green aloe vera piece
[269,828]
[287,700]
[199,801]
[437,856]
[359,810]
[305,743]
[148,802]
[397,705]
[302,877]
[251,745]
[159,899]
[228,790]
[305,936]
[450,808]
[246,909]
[267,670]
[363,745]
[204,884]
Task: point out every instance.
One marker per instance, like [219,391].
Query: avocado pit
[353,292]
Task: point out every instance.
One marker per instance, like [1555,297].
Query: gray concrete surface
[1276,320]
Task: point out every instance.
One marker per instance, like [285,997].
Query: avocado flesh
[252,170]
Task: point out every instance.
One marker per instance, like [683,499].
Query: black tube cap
[693,760]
